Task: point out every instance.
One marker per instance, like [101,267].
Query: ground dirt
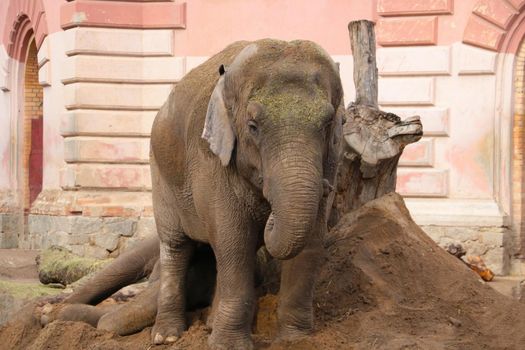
[384,285]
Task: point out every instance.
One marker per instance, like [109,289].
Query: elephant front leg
[235,299]
[170,321]
[295,311]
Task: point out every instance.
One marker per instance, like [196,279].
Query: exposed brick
[420,7]
[33,101]
[518,147]
[407,31]
[495,11]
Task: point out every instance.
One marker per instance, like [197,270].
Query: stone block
[497,12]
[44,75]
[406,91]
[122,226]
[4,69]
[94,251]
[10,226]
[104,123]
[393,31]
[420,153]
[194,61]
[122,69]
[100,149]
[75,239]
[479,32]
[129,176]
[518,4]
[44,52]
[473,60]
[414,61]
[55,238]
[422,183]
[86,225]
[486,242]
[39,224]
[119,14]
[403,7]
[116,96]
[145,227]
[121,42]
[78,249]
[107,240]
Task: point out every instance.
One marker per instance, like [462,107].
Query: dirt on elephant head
[384,285]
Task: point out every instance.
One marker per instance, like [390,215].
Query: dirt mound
[384,285]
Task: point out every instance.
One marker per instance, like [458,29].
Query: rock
[86,224]
[57,265]
[93,251]
[106,240]
[121,226]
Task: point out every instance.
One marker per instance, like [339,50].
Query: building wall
[107,66]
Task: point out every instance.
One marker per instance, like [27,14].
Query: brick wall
[33,98]
[518,189]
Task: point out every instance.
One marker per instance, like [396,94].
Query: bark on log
[374,139]
[363,43]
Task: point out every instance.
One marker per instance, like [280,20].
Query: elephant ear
[218,130]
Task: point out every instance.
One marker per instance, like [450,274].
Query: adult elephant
[246,148]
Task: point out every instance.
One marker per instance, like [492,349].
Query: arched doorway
[33,129]
[518,152]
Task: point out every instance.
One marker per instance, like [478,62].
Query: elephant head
[276,116]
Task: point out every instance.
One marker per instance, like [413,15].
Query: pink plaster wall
[211,25]
[52,8]
[51,21]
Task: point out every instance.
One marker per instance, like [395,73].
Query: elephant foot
[292,334]
[219,341]
[49,313]
[166,332]
[295,324]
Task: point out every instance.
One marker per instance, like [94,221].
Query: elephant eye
[253,127]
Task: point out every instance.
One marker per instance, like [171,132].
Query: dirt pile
[384,285]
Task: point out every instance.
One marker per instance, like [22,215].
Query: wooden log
[363,43]
[374,139]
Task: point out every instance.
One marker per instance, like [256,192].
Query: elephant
[133,266]
[244,153]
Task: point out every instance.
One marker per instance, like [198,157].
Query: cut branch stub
[363,42]
[374,140]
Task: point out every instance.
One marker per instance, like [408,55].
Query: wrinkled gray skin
[131,267]
[244,152]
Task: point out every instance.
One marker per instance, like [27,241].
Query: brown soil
[385,285]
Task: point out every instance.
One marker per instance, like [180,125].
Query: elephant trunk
[294,191]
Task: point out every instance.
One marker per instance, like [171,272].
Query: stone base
[97,237]
[492,244]
[11,225]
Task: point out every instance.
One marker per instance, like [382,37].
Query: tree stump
[374,139]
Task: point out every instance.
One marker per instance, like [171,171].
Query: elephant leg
[174,260]
[233,317]
[128,268]
[76,312]
[213,309]
[133,316]
[295,311]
